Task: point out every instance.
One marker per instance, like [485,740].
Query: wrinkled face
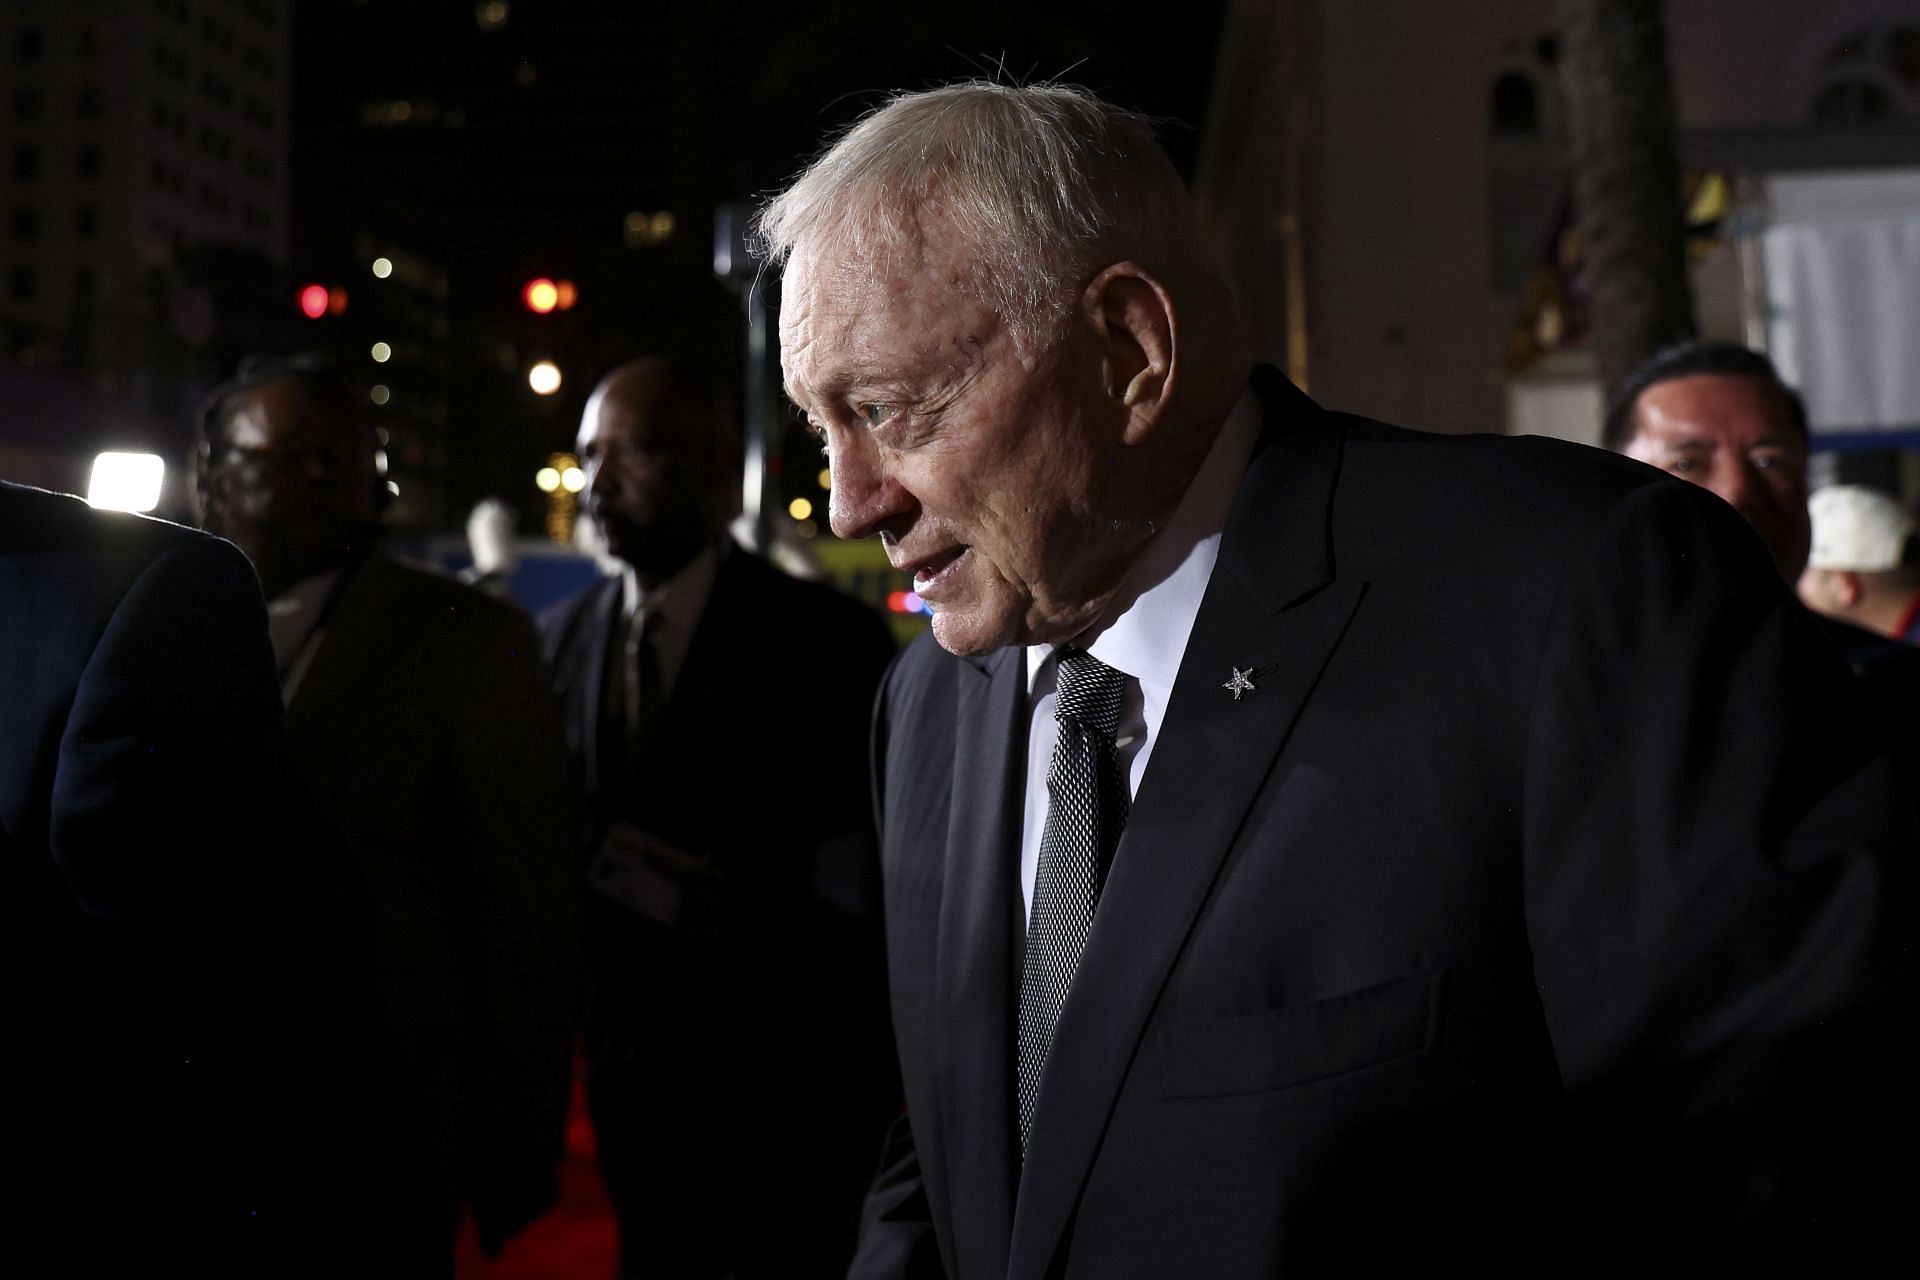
[657,481]
[993,473]
[1736,436]
[288,486]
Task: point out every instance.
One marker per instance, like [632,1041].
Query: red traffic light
[541,296]
[313,301]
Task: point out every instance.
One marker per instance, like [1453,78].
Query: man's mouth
[930,573]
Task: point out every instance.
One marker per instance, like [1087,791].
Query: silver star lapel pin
[1241,682]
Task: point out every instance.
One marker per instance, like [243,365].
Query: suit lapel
[1274,608]
[974,988]
[341,658]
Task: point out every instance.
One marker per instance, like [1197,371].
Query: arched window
[1868,74]
[1515,106]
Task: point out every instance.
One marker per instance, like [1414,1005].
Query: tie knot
[1089,691]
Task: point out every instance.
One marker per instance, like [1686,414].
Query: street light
[544,378]
[541,296]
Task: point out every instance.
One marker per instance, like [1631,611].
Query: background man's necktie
[643,686]
[1086,809]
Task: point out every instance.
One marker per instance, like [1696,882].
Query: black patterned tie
[1086,808]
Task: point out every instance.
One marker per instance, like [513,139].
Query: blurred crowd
[417,846]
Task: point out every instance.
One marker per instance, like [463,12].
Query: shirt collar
[679,600]
[1144,633]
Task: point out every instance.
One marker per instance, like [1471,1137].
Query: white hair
[1045,183]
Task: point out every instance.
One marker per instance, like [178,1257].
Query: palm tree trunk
[1620,117]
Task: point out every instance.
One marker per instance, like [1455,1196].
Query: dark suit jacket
[762,1017]
[430,740]
[1500,928]
[169,968]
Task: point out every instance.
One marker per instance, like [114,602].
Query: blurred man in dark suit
[421,720]
[738,1066]
[174,999]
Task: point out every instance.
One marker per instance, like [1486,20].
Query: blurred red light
[313,301]
[336,301]
[541,296]
[565,294]
[897,601]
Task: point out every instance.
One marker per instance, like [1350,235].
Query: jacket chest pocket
[1299,1043]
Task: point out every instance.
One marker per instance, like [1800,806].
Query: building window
[20,284]
[87,162]
[1516,106]
[86,103]
[216,89]
[169,62]
[83,282]
[26,105]
[86,222]
[26,162]
[24,225]
[1870,77]
[1853,102]
[89,42]
[31,43]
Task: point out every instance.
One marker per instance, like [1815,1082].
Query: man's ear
[1846,588]
[1132,317]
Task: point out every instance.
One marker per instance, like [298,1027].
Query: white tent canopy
[1842,263]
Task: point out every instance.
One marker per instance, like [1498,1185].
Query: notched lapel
[974,985]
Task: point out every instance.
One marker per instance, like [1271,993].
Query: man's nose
[599,487]
[866,498]
[1735,482]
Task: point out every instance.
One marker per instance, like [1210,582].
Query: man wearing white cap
[1864,567]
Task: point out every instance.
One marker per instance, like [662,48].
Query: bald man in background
[739,1064]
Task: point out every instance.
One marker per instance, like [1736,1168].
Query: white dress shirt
[1144,632]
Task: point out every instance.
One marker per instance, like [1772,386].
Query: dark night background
[527,144]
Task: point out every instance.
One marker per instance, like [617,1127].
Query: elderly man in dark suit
[176,992]
[738,1065]
[421,721]
[1310,847]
